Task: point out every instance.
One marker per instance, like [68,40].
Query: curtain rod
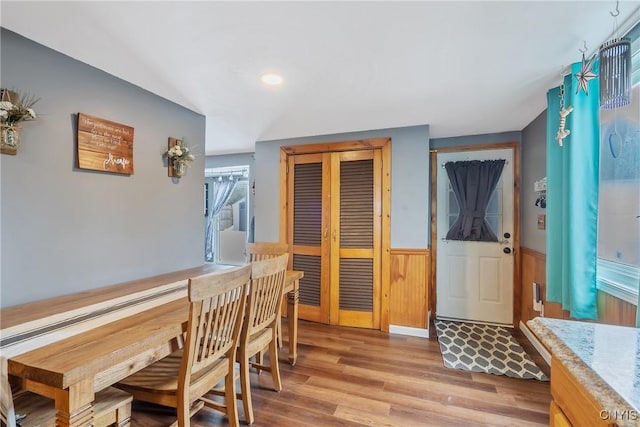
[230,173]
[209,172]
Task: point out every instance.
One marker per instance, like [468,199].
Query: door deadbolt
[507,250]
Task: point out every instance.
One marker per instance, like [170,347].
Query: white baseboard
[406,330]
[536,343]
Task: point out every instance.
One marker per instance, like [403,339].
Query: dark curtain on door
[473,182]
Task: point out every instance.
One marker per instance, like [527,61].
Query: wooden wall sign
[104,145]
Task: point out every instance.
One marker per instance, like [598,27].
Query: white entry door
[474,280]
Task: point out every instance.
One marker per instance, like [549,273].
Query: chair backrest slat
[265,295]
[260,251]
[217,303]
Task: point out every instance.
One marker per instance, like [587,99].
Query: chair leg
[245,389]
[230,398]
[273,363]
[259,360]
[184,415]
[279,328]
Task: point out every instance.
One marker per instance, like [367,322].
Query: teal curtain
[572,198]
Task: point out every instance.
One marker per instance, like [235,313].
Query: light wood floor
[356,377]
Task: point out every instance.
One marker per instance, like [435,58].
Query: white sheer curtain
[222,190]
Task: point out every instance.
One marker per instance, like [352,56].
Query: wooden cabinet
[595,372]
[557,417]
[572,404]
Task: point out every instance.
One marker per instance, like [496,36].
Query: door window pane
[493,214]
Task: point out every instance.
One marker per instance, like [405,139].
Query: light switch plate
[542,221]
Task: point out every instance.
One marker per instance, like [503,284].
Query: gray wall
[409,183]
[66,230]
[533,168]
[489,138]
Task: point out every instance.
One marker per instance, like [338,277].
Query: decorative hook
[617,10]
[583,51]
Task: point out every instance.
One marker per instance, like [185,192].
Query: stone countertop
[604,358]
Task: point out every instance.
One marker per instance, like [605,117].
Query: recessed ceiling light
[272,79]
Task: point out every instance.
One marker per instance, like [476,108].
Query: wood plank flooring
[358,377]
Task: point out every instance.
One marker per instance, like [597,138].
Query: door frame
[384,144]
[517,286]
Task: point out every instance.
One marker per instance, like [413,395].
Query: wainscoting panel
[409,290]
[614,311]
[611,310]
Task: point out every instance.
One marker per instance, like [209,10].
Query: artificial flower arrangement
[180,153]
[14,109]
[180,156]
[17,110]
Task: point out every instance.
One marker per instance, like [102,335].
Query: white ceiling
[464,68]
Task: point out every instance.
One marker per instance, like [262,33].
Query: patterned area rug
[484,348]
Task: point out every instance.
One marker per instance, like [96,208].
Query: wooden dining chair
[183,379]
[259,251]
[259,329]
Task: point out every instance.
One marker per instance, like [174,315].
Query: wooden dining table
[73,369]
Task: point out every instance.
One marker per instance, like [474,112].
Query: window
[618,267]
[493,213]
[227,221]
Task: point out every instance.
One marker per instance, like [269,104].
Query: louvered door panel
[307,204]
[356,204]
[356,284]
[310,283]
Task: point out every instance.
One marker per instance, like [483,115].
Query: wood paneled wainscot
[409,291]
[611,310]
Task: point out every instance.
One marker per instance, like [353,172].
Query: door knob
[507,250]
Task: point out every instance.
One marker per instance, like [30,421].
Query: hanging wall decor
[564,112]
[104,145]
[14,109]
[615,71]
[585,74]
[179,156]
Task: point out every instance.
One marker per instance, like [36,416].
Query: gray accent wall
[409,183]
[64,229]
[488,138]
[533,168]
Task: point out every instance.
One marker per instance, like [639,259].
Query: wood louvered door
[355,238]
[308,187]
[336,234]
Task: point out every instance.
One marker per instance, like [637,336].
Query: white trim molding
[406,330]
[536,343]
[618,280]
